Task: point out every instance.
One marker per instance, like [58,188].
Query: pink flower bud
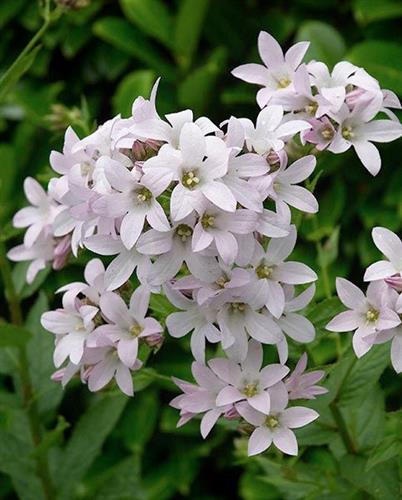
[61,252]
[394,282]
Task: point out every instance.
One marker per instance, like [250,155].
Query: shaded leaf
[382,59]
[151,16]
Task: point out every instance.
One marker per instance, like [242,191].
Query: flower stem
[28,401]
[342,428]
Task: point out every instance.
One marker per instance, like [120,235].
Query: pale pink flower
[39,216]
[391,246]
[284,186]
[275,427]
[200,398]
[198,167]
[296,326]
[123,265]
[321,134]
[135,202]
[193,317]
[173,248]
[277,75]
[72,325]
[366,315]
[225,279]
[40,253]
[271,270]
[94,287]
[242,166]
[239,318]
[219,227]
[302,385]
[104,365]
[247,381]
[170,131]
[271,130]
[126,325]
[357,129]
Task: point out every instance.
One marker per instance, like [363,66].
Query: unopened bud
[232,414]
[155,340]
[61,252]
[61,117]
[143,150]
[394,282]
[73,4]
[353,97]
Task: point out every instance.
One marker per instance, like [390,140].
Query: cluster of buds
[202,214]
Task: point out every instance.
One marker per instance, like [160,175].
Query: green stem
[48,19]
[342,428]
[28,401]
[324,270]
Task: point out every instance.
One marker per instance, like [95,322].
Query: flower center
[184,232]
[135,330]
[327,133]
[221,281]
[272,422]
[372,315]
[284,82]
[190,180]
[238,306]
[250,389]
[86,168]
[347,133]
[143,195]
[263,271]
[311,108]
[207,221]
[79,327]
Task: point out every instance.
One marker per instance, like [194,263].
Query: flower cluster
[375,317]
[258,397]
[202,214]
[341,106]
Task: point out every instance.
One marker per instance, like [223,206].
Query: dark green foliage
[92,63]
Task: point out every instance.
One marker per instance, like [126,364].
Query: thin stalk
[28,400]
[48,19]
[342,428]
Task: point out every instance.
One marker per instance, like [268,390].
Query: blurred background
[90,63]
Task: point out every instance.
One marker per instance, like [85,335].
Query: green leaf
[86,441]
[189,23]
[127,38]
[139,420]
[389,447]
[122,482]
[368,11]
[137,83]
[160,305]
[364,374]
[22,288]
[14,73]
[196,90]
[13,336]
[382,59]
[382,482]
[320,314]
[330,248]
[8,10]
[151,16]
[15,460]
[8,174]
[326,43]
[40,356]
[51,438]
